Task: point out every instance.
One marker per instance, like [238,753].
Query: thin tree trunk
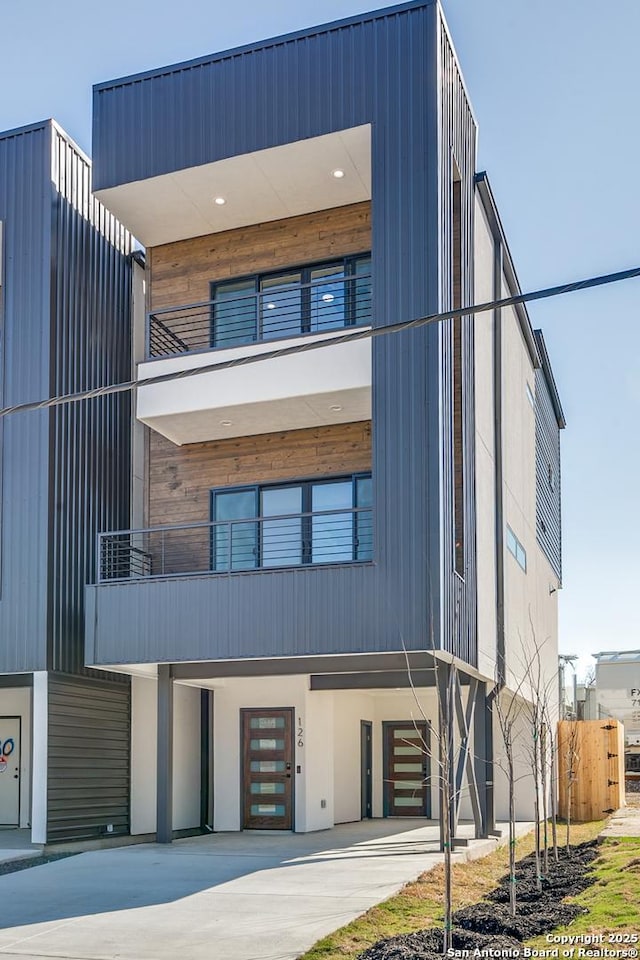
[543,759]
[554,802]
[536,777]
[512,840]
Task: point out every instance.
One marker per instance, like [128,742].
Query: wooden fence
[591,755]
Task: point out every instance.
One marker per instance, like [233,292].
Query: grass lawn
[419,904]
[614,900]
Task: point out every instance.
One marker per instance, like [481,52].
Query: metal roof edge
[551,382]
[257,45]
[26,128]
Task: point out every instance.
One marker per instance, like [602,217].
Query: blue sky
[555,89]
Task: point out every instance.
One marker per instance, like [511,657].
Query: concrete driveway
[229,896]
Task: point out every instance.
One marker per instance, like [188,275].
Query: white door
[10,771]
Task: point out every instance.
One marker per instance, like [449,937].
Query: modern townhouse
[321,520]
[65,325]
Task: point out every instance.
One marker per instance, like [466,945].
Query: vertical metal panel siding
[457,144]
[548,498]
[88,774]
[25,210]
[91,346]
[382,71]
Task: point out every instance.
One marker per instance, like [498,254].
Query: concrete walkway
[229,896]
[624,822]
[16,845]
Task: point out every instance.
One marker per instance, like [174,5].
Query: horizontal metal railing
[236,318]
[230,546]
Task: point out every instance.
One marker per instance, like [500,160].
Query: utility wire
[306,345]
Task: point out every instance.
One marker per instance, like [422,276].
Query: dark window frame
[305,270]
[307,484]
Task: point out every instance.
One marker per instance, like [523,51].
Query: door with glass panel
[267,775]
[407,790]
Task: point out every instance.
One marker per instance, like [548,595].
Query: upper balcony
[258,315]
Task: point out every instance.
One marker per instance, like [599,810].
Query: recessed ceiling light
[338,174]
[220,201]
[328,297]
[335,407]
[225,423]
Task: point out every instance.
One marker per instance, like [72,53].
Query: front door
[10,771]
[267,759]
[406,769]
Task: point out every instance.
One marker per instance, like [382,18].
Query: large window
[288,525]
[307,299]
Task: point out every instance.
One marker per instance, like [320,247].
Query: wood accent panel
[181,272]
[180,478]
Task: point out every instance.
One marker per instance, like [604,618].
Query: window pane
[235,544]
[267,766]
[332,534]
[364,519]
[362,306]
[280,306]
[327,297]
[234,313]
[282,539]
[263,787]
[267,744]
[408,801]
[266,723]
[267,810]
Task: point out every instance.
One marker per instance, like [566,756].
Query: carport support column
[484,761]
[164,826]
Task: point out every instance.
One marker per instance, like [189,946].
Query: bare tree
[571,759]
[508,711]
[537,708]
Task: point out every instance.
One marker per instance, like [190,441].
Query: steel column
[164,826]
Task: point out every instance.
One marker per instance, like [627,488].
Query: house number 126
[300,733]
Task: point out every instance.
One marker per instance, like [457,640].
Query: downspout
[498,469]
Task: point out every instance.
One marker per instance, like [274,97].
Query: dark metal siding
[91,346]
[548,497]
[382,71]
[457,145]
[88,775]
[25,210]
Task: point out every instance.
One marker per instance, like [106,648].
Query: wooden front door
[406,769]
[267,776]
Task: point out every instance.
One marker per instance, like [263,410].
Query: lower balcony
[234,546]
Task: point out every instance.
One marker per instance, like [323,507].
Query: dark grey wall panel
[25,211]
[457,146]
[91,347]
[89,758]
[382,70]
[548,495]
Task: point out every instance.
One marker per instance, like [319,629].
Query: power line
[306,345]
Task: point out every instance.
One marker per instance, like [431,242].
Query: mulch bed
[488,926]
[13,866]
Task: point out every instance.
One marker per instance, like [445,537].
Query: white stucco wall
[16,702]
[186,756]
[350,707]
[485,463]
